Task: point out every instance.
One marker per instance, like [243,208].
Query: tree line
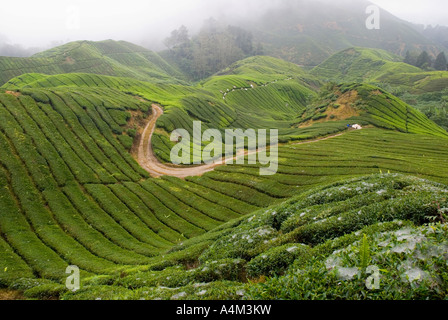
[214,48]
[425,62]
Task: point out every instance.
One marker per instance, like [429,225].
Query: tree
[424,60]
[177,38]
[214,48]
[242,39]
[259,49]
[441,62]
[409,59]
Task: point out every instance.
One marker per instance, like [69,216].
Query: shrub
[276,260]
[46,291]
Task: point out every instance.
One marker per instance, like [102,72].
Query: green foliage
[114,58]
[361,65]
[276,260]
[364,253]
[210,51]
[424,61]
[46,292]
[72,194]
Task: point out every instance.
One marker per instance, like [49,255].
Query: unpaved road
[148,160]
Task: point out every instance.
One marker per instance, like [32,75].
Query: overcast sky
[38,22]
[418,11]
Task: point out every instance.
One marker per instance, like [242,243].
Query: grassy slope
[308,32]
[379,67]
[258,92]
[281,91]
[75,196]
[66,199]
[362,64]
[310,247]
[368,105]
[116,58]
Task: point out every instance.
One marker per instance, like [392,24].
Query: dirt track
[148,160]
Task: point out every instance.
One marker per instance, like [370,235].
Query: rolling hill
[424,90]
[73,194]
[115,58]
[362,65]
[380,67]
[368,105]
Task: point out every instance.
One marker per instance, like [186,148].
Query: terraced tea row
[115,58]
[72,214]
[72,194]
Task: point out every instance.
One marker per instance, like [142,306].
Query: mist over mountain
[308,32]
[302,31]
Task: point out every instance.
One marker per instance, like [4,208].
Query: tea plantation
[72,192]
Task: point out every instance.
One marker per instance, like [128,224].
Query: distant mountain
[438,34]
[114,58]
[308,32]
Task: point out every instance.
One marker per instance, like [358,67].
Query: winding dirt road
[148,160]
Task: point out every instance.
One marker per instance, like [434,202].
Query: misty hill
[381,68]
[307,32]
[362,64]
[115,58]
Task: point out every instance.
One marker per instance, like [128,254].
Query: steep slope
[368,105]
[116,58]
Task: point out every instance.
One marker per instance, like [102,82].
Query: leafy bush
[46,291]
[276,260]
[411,261]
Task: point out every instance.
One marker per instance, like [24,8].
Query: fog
[46,23]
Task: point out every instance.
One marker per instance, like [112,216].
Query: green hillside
[258,92]
[417,82]
[72,192]
[424,90]
[73,195]
[362,65]
[382,68]
[244,101]
[115,58]
[303,245]
[265,97]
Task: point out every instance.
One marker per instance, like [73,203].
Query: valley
[87,179]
